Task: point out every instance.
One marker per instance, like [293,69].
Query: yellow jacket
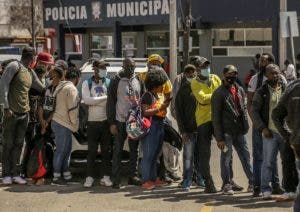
[203,94]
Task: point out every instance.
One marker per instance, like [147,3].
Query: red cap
[45,58]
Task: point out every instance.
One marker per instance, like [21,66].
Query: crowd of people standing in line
[44,94]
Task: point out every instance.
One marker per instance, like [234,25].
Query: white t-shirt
[96,99]
[253,82]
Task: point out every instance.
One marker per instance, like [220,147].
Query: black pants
[28,146]
[290,175]
[117,153]
[13,140]
[205,132]
[98,132]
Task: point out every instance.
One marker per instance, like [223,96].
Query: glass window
[228,37]
[259,37]
[157,39]
[129,44]
[102,42]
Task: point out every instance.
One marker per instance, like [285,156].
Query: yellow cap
[155,57]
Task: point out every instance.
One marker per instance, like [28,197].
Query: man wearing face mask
[264,101]
[257,148]
[94,95]
[203,86]
[187,125]
[230,122]
[124,90]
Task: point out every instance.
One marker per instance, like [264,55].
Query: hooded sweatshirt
[67,101]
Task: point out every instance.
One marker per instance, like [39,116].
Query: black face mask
[273,82]
[231,80]
[129,71]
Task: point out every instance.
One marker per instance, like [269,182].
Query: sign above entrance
[103,13]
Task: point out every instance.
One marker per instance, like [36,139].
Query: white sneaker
[105,181]
[67,176]
[19,180]
[227,190]
[89,181]
[286,197]
[7,181]
[267,195]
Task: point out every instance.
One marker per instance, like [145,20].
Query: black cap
[61,64]
[59,70]
[28,51]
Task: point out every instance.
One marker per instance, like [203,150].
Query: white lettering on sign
[137,8]
[66,13]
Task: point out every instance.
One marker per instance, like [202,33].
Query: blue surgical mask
[205,72]
[103,73]
[189,79]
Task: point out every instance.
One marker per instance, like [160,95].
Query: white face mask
[189,79]
[102,73]
[48,81]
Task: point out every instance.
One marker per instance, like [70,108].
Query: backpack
[137,126]
[38,164]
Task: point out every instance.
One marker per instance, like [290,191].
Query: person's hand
[8,113]
[267,133]
[185,138]
[221,145]
[114,129]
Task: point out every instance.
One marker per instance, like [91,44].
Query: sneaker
[175,177]
[67,176]
[19,180]
[201,183]
[277,190]
[286,197]
[186,184]
[117,186]
[250,189]
[256,191]
[7,181]
[58,181]
[134,181]
[148,185]
[267,195]
[89,181]
[105,181]
[228,190]
[159,183]
[210,187]
[236,187]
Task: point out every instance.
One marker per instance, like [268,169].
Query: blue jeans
[297,201]
[63,141]
[189,157]
[271,147]
[257,154]
[240,145]
[151,147]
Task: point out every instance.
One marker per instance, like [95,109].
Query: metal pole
[187,32]
[173,40]
[33,25]
[282,41]
[292,41]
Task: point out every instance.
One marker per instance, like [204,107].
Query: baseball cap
[197,60]
[45,58]
[62,64]
[100,62]
[59,70]
[155,57]
[28,51]
[230,69]
[189,67]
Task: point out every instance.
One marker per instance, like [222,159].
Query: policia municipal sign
[95,13]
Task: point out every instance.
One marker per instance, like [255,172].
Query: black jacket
[226,117]
[286,114]
[112,96]
[260,107]
[185,107]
